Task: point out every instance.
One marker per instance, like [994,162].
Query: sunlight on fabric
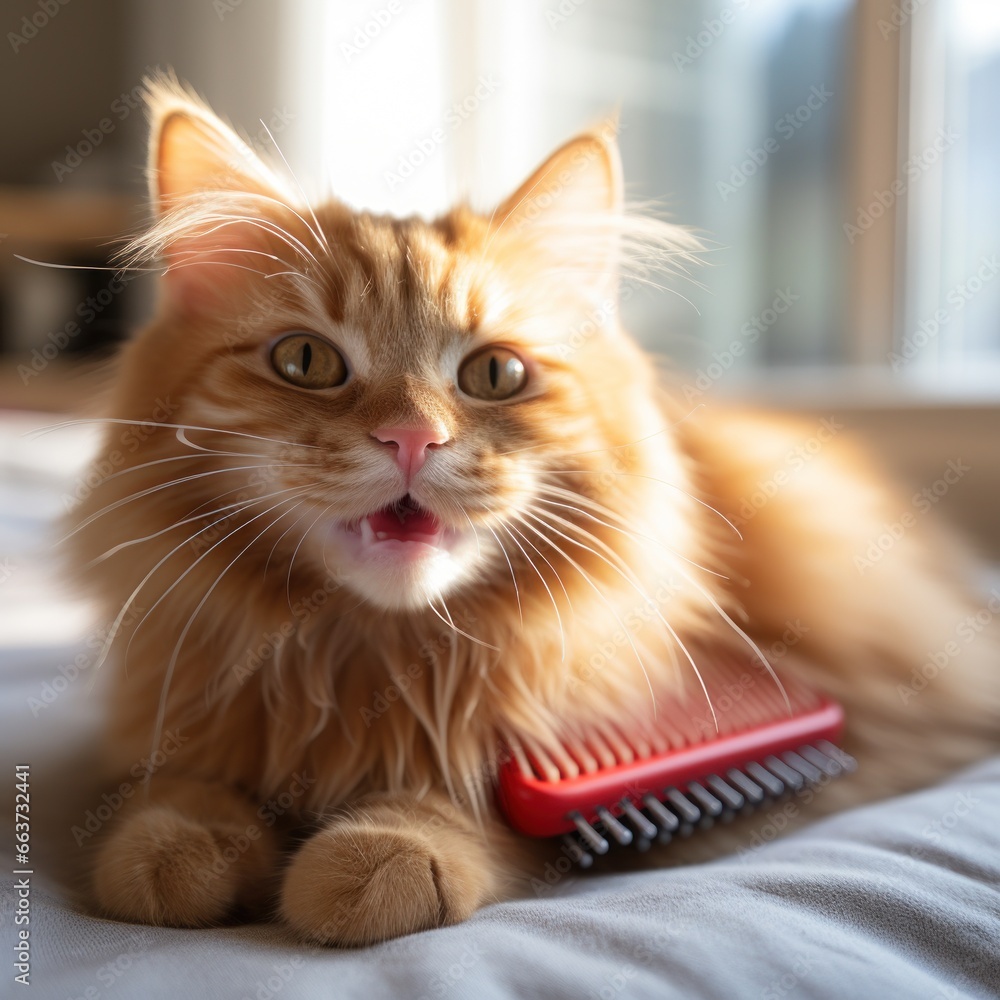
[40,474]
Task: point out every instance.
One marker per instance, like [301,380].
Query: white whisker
[509,528]
[628,576]
[455,628]
[517,592]
[168,676]
[162,486]
[652,479]
[232,508]
[603,599]
[155,423]
[569,494]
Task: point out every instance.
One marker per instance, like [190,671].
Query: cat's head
[437,404]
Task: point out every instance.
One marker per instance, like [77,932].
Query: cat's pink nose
[411,444]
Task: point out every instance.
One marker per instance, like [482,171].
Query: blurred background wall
[839,156]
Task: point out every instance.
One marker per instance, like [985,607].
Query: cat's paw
[358,882]
[159,867]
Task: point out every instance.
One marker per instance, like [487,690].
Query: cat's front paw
[359,881]
[159,867]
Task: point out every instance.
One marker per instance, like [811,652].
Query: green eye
[493,373]
[308,361]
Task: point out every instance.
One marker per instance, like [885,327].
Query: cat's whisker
[204,555]
[120,617]
[38,432]
[277,542]
[316,229]
[233,508]
[622,568]
[283,233]
[547,491]
[174,482]
[597,590]
[199,509]
[652,479]
[517,592]
[740,632]
[443,691]
[616,562]
[183,458]
[479,549]
[192,217]
[455,628]
[168,676]
[118,269]
[555,569]
[611,447]
[204,260]
[510,529]
[291,562]
[182,437]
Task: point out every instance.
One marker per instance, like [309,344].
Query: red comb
[645,780]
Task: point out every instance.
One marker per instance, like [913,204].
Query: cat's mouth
[403,521]
[401,531]
[402,554]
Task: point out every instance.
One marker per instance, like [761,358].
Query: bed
[899,899]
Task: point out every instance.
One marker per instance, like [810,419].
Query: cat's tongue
[405,521]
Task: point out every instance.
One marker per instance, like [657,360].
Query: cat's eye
[493,373]
[308,361]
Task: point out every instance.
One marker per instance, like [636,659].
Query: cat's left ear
[192,151]
[569,212]
[198,163]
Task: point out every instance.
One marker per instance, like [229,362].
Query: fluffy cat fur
[324,728]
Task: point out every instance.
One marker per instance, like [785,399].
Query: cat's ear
[202,179]
[569,211]
[192,151]
[581,178]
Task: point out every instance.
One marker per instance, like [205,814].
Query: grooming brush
[645,781]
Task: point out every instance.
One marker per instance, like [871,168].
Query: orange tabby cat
[405,488]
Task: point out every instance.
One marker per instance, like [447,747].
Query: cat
[393,495]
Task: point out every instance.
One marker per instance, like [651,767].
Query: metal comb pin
[810,772]
[576,853]
[589,835]
[643,827]
[788,775]
[622,834]
[711,807]
[765,779]
[665,819]
[731,798]
[683,806]
[826,764]
[845,760]
[753,793]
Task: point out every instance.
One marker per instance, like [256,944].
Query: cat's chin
[399,557]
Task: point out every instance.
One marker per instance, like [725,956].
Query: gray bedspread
[901,899]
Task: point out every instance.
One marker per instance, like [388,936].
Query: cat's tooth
[367,535]
[381,535]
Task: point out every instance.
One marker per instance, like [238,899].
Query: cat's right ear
[565,222]
[199,169]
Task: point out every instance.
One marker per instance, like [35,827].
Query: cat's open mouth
[404,521]
[401,554]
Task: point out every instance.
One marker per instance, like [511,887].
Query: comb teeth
[659,818]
